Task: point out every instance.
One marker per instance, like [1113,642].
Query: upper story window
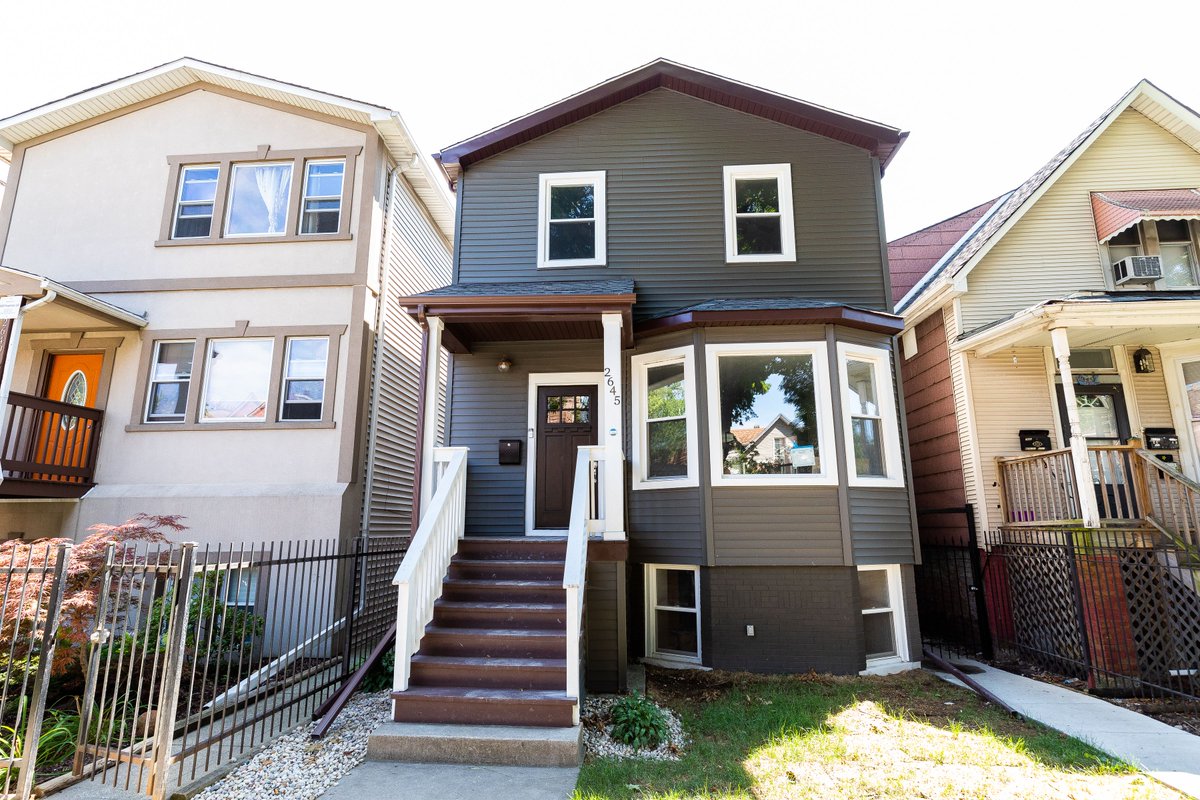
[170,381]
[1125,244]
[571,219]
[759,223]
[267,196]
[1178,253]
[869,416]
[664,414]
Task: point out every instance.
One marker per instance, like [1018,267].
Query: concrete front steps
[506,745]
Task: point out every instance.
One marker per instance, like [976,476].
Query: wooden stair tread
[511,584]
[549,696]
[439,630]
[484,605]
[478,661]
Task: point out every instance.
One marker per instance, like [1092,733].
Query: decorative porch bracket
[613,436]
[1088,506]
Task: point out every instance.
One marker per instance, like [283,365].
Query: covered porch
[1119,407]
[51,433]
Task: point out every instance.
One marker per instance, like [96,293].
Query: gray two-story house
[670,353]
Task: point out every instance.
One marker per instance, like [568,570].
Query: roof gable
[880,140]
[911,256]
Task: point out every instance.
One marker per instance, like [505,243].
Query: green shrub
[639,723]
[380,677]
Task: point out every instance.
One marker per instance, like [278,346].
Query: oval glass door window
[75,392]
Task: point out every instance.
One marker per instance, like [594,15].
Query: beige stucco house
[207,261]
[1051,351]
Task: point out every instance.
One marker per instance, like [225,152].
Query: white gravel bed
[596,716]
[297,767]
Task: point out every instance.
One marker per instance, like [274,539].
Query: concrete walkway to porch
[1160,750]
[390,780]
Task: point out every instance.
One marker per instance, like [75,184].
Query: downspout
[12,346]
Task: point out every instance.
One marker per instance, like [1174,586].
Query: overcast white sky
[988,91]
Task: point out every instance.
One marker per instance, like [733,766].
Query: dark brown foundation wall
[804,618]
[605,606]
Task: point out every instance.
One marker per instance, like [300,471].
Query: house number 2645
[612,386]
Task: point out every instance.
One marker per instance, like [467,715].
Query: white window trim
[885,390]
[548,180]
[899,662]
[305,196]
[287,210]
[651,605]
[208,374]
[782,173]
[639,365]
[828,476]
[284,377]
[151,382]
[180,203]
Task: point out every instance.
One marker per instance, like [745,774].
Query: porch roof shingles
[615,286]
[771,311]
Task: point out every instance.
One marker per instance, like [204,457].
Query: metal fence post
[37,706]
[979,587]
[172,674]
[1077,594]
[98,638]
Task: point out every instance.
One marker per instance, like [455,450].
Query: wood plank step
[494,642]
[506,569]
[494,673]
[540,708]
[483,614]
[546,548]
[528,591]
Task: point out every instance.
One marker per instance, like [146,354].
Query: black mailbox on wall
[1035,440]
[510,451]
[1161,439]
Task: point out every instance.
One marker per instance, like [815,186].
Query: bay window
[869,416]
[769,414]
[664,414]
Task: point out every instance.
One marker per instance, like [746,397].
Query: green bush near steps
[639,723]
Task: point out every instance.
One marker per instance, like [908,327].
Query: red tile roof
[746,436]
[910,257]
[1116,211]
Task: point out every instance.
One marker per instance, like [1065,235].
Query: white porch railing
[428,558]
[587,516]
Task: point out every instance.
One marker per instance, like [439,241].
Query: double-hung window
[304,378]
[759,223]
[882,604]
[763,391]
[673,613]
[664,413]
[571,219]
[1177,253]
[321,209]
[170,381]
[869,416]
[197,198]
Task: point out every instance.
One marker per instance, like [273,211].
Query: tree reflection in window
[764,397]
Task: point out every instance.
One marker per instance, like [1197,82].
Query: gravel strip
[596,716]
[297,767]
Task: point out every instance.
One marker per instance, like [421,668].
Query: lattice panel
[1164,608]
[1045,615]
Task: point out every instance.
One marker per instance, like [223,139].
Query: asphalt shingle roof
[533,288]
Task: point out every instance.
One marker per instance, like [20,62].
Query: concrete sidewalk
[1162,751]
[390,780]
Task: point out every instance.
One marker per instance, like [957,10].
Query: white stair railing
[586,517]
[424,567]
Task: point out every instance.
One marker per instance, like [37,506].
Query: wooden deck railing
[1171,501]
[49,448]
[586,516]
[1037,488]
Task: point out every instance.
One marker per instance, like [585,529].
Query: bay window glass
[237,380]
[258,199]
[866,424]
[170,380]
[666,421]
[304,378]
[869,415]
[194,207]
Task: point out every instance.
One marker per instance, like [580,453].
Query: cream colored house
[207,261]
[1051,351]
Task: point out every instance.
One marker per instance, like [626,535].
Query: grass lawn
[901,736]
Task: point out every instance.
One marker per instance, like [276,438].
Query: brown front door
[566,421]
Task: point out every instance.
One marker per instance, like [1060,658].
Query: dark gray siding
[664,154]
[881,525]
[605,632]
[909,581]
[489,406]
[666,526]
[776,525]
[804,618]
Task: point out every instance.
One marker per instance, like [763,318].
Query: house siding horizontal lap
[664,155]
[666,526]
[796,525]
[1150,393]
[880,525]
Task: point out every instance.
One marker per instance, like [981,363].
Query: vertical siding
[488,406]
[933,430]
[417,258]
[664,154]
[1011,391]
[1052,250]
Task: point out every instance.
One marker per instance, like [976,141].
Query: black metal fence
[1117,609]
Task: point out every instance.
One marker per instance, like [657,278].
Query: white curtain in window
[273,184]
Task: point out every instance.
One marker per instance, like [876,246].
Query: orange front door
[64,440]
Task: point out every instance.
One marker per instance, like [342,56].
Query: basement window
[882,605]
[673,613]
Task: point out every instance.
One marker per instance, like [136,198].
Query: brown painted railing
[1171,501]
[1037,488]
[50,445]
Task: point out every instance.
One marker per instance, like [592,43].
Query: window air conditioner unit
[1137,269]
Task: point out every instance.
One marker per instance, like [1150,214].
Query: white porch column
[433,382]
[1079,452]
[613,435]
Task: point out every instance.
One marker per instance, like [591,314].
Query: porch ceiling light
[1143,361]
[504,364]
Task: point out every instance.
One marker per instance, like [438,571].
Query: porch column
[1079,452]
[613,435]
[429,421]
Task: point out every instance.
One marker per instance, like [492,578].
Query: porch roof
[1093,319]
[66,309]
[771,311]
[535,310]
